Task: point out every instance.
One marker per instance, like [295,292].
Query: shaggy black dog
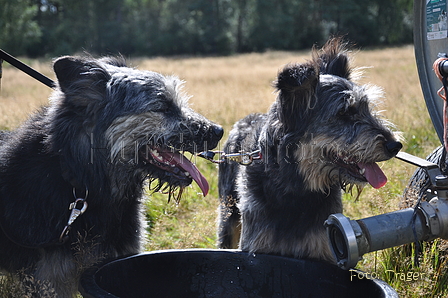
[71,178]
[320,135]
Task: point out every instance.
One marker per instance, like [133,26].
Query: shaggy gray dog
[320,135]
[71,178]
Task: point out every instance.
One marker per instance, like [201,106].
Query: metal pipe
[351,239]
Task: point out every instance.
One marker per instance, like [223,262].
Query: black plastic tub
[226,274]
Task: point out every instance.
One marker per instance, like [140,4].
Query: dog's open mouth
[364,171]
[174,164]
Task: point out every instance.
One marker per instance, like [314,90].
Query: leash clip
[76,211]
[78,207]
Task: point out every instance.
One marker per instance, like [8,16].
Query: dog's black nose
[218,131]
[393,147]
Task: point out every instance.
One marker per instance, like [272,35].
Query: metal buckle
[78,207]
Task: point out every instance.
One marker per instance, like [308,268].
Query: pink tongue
[182,162]
[373,174]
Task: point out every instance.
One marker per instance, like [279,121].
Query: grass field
[226,89]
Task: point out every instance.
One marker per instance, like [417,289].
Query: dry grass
[225,90]
[20,94]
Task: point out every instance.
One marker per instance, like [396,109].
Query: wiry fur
[311,140]
[98,139]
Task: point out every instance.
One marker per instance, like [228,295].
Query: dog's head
[139,122]
[328,122]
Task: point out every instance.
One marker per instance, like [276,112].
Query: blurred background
[48,28]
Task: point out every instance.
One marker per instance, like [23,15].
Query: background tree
[18,28]
[196,27]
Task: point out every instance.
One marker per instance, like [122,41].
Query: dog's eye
[352,110]
[343,111]
[163,110]
[347,112]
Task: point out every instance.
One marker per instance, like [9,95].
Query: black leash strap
[26,69]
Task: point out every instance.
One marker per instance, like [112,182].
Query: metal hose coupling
[351,239]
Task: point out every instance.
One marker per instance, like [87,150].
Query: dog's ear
[296,84]
[333,58]
[80,79]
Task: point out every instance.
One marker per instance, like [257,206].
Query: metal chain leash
[243,158]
